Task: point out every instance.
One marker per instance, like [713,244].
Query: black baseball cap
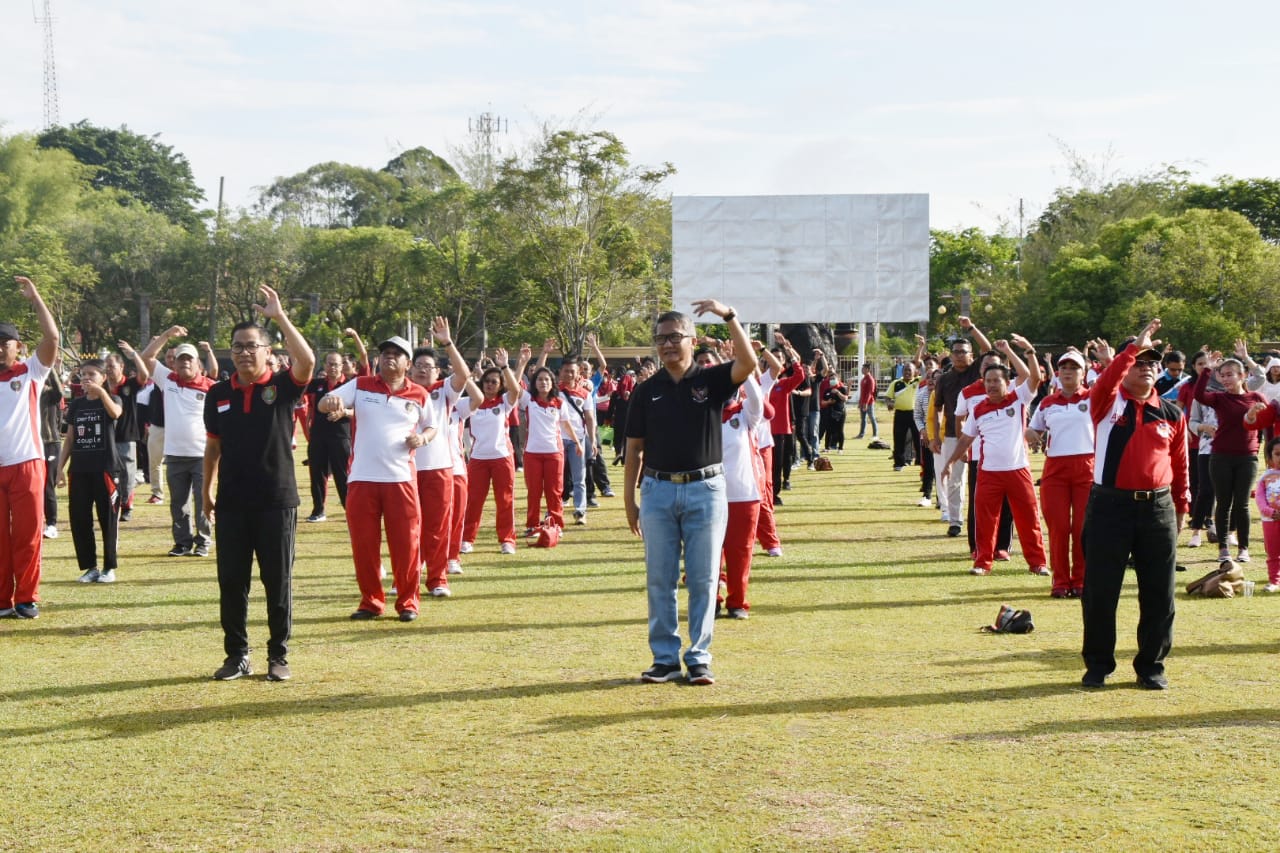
[8,331]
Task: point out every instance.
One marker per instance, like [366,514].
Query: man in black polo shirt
[673,436]
[329,440]
[249,420]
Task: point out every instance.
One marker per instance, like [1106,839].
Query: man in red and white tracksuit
[392,420]
[744,478]
[434,460]
[1065,420]
[22,465]
[1000,423]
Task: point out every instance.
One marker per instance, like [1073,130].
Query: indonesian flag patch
[224,406]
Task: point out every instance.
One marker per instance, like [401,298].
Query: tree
[985,266]
[333,195]
[140,167]
[576,221]
[1256,199]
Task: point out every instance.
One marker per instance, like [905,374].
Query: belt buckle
[1145,495]
[679,479]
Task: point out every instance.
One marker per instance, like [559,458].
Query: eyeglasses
[249,348]
[431,366]
[961,352]
[672,338]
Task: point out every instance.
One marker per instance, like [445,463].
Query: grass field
[859,708]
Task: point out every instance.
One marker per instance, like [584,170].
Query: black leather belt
[685,476]
[1133,494]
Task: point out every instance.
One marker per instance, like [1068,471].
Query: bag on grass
[548,534]
[878,444]
[1011,621]
[822,463]
[1225,581]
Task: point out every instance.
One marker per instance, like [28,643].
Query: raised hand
[271,309]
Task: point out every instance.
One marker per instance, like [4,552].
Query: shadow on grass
[836,705]
[72,690]
[145,722]
[1234,718]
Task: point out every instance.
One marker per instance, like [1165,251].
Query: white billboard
[804,258]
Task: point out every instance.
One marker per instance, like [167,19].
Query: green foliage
[333,195]
[139,167]
[1256,199]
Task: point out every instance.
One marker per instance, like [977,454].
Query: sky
[982,105]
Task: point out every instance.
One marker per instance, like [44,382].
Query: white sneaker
[90,576]
[1231,539]
[775,552]
[465,548]
[393,590]
[1242,556]
[924,502]
[50,531]
[382,571]
[1194,541]
[508,547]
[441,592]
[109,576]
[455,568]
[1271,588]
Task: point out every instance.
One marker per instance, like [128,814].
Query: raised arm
[459,371]
[363,361]
[547,347]
[50,340]
[210,360]
[304,360]
[743,360]
[151,353]
[139,364]
[983,345]
[503,363]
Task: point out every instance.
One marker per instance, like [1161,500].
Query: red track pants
[502,474]
[739,541]
[993,488]
[21,531]
[435,499]
[395,505]
[543,475]
[767,527]
[457,512]
[1064,494]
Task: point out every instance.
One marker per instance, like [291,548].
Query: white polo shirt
[546,435]
[184,433]
[1067,421]
[1000,430]
[20,411]
[457,418]
[743,468]
[437,454]
[490,438]
[383,420]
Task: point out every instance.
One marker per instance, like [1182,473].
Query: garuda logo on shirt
[699,393]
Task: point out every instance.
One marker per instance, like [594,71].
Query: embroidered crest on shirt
[1084,407]
[15,385]
[200,397]
[269,394]
[699,393]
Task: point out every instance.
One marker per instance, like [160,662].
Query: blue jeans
[810,427]
[575,470]
[688,518]
[868,414]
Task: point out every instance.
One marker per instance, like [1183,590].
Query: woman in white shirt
[492,457]
[549,428]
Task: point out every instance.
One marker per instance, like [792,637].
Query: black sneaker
[199,551]
[180,551]
[953,530]
[739,613]
[579,517]
[700,673]
[1146,682]
[408,615]
[1093,679]
[126,515]
[27,610]
[233,668]
[278,670]
[607,493]
[363,615]
[660,673]
[593,503]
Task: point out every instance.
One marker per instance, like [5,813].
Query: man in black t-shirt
[329,440]
[674,438]
[249,421]
[90,445]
